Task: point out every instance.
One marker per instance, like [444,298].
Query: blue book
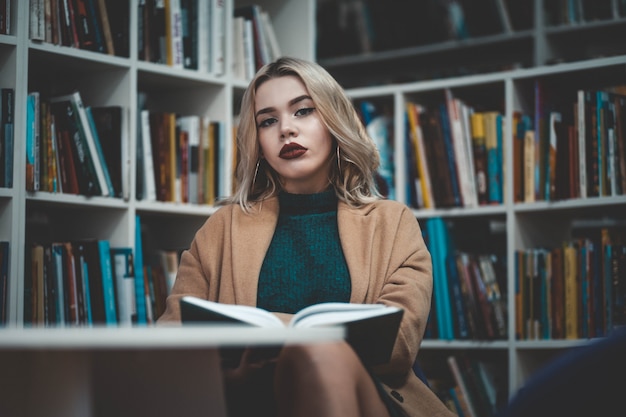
[438,240]
[108,285]
[450,157]
[140,294]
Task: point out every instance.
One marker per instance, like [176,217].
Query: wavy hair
[356,158]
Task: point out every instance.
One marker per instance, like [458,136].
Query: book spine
[140,300]
[108,285]
[8,139]
[99,152]
[450,154]
[122,260]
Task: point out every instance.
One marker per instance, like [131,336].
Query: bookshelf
[533,33]
[118,80]
[513,225]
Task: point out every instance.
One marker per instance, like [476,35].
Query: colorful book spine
[108,285]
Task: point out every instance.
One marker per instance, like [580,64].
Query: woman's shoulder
[382,207]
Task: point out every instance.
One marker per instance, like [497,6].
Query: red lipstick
[292,150]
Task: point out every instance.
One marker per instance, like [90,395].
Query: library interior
[499,123]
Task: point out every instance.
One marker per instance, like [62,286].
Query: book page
[336,313]
[246,314]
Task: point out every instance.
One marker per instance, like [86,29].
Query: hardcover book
[371,329]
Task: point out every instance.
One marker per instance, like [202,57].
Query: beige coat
[387,259]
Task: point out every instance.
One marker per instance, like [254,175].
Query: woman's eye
[267,122]
[305,111]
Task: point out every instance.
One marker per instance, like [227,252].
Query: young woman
[306,225]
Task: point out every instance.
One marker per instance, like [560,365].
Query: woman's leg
[325,380]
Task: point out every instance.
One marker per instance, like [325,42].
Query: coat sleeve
[408,284]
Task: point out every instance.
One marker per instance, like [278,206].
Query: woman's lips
[292,151]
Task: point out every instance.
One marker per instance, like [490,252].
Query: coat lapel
[249,249]
[356,234]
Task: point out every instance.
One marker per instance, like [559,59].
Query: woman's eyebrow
[291,103]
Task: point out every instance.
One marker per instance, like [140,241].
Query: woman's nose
[287,129]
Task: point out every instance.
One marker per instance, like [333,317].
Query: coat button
[397,396]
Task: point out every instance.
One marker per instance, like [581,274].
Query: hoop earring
[256,171]
[338,160]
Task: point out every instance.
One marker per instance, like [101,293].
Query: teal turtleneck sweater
[304,264]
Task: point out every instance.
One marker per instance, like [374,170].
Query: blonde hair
[352,174]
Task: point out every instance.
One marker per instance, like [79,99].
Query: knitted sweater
[304,264]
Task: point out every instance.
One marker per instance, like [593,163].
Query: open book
[371,329]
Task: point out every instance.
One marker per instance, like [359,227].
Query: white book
[204,35]
[36,27]
[85,127]
[466,113]
[218,20]
[270,37]
[124,284]
[239,54]
[248,42]
[149,182]
[458,143]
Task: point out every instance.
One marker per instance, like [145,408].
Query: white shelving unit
[106,80]
[527,225]
[111,80]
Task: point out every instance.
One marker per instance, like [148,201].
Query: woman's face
[293,139]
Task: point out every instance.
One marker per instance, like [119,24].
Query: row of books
[180,158]
[5,17]
[454,155]
[93,25]
[469,294]
[76,149]
[186,34]
[573,291]
[567,12]
[365,26]
[7,125]
[378,121]
[88,283]
[254,41]
[572,150]
[4,280]
[476,389]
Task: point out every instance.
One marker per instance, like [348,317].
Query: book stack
[92,25]
[477,388]
[573,291]
[254,41]
[571,147]
[469,296]
[455,155]
[181,158]
[86,282]
[183,34]
[76,149]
